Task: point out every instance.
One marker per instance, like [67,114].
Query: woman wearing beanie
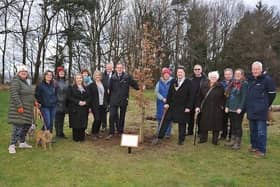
[20,108]
[161,92]
[61,85]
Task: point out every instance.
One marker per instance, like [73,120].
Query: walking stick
[196,127]
[155,140]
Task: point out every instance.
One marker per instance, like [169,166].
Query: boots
[231,143]
[237,143]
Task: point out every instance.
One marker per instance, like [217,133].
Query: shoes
[252,150]
[110,136]
[103,129]
[180,142]
[87,133]
[167,136]
[215,143]
[12,149]
[94,138]
[62,136]
[189,134]
[259,154]
[24,145]
[201,141]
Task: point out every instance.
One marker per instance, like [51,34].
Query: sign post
[129,141]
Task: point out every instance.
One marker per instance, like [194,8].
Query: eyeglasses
[197,69]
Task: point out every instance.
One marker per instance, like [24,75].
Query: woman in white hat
[20,109]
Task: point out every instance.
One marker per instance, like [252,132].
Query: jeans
[258,135]
[48,114]
[19,132]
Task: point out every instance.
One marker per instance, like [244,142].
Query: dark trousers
[104,123]
[204,136]
[97,122]
[236,124]
[115,116]
[226,132]
[181,129]
[59,123]
[78,134]
[191,122]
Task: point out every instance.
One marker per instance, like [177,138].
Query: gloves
[20,110]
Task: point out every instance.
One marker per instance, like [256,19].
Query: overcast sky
[252,3]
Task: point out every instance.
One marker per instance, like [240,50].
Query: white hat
[21,67]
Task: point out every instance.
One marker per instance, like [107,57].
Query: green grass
[104,163]
[277,99]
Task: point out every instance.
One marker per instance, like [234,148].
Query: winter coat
[119,89]
[106,80]
[237,96]
[178,100]
[61,86]
[46,94]
[94,98]
[260,95]
[78,115]
[161,91]
[212,109]
[21,95]
[196,85]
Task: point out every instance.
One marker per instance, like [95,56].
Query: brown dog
[44,138]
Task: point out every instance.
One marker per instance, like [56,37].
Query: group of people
[217,106]
[55,96]
[206,101]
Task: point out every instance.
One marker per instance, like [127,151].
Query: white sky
[252,3]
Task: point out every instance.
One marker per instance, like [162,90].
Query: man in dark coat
[260,95]
[119,94]
[178,105]
[197,80]
[106,79]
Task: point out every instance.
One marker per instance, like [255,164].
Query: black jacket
[179,100]
[197,84]
[78,115]
[119,89]
[94,98]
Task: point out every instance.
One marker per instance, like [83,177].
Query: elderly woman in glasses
[210,106]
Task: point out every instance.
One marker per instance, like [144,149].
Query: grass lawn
[105,163]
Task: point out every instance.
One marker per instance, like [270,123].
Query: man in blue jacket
[260,95]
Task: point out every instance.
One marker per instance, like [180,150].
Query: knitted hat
[21,67]
[59,69]
[165,70]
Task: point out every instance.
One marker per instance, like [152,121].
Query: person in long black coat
[211,105]
[78,101]
[178,105]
